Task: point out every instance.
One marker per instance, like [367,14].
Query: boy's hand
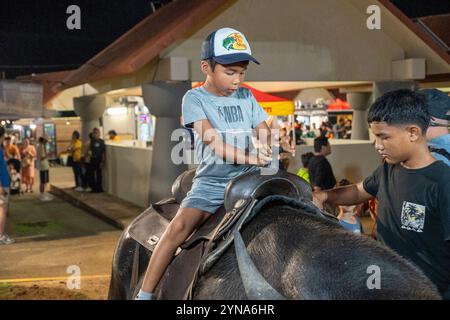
[265,150]
[259,160]
[319,198]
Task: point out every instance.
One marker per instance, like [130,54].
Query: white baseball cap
[227,46]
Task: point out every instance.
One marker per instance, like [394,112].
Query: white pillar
[89,109]
[360,102]
[164,102]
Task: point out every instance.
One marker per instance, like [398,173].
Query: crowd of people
[17,173]
[22,163]
[18,165]
[340,130]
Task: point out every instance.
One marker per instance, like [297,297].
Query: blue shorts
[208,193]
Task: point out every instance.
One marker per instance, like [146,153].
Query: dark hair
[76,134]
[41,139]
[401,107]
[8,138]
[112,132]
[212,63]
[305,159]
[344,182]
[319,142]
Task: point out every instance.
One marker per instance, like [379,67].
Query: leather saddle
[209,242]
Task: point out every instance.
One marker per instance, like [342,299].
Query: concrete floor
[51,236]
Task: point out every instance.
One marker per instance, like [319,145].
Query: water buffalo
[300,256]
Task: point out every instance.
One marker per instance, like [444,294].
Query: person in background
[86,162]
[97,161]
[303,172]
[287,149]
[113,135]
[315,130]
[11,151]
[308,133]
[298,132]
[348,216]
[75,152]
[16,180]
[339,129]
[438,135]
[320,171]
[5,182]
[43,167]
[348,129]
[28,154]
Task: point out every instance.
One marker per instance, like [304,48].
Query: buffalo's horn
[256,287]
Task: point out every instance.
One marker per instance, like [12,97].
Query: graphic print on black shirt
[413,216]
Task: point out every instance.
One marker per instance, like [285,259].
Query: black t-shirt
[414,216]
[97,149]
[320,173]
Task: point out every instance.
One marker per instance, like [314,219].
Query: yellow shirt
[76,150]
[116,138]
[303,173]
[12,151]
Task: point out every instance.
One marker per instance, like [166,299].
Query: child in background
[15,180]
[348,215]
[303,172]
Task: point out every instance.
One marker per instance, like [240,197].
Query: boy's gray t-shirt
[233,117]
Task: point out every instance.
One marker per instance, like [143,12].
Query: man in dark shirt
[97,148]
[320,171]
[412,188]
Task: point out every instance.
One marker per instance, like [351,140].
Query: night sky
[34,37]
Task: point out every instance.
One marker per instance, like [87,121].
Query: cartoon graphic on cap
[234,41]
[227,46]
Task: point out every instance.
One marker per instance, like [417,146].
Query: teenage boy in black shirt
[412,187]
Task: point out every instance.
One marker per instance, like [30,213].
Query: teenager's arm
[229,153]
[348,195]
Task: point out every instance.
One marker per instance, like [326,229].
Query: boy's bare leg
[179,229]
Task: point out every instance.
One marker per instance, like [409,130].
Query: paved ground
[51,236]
